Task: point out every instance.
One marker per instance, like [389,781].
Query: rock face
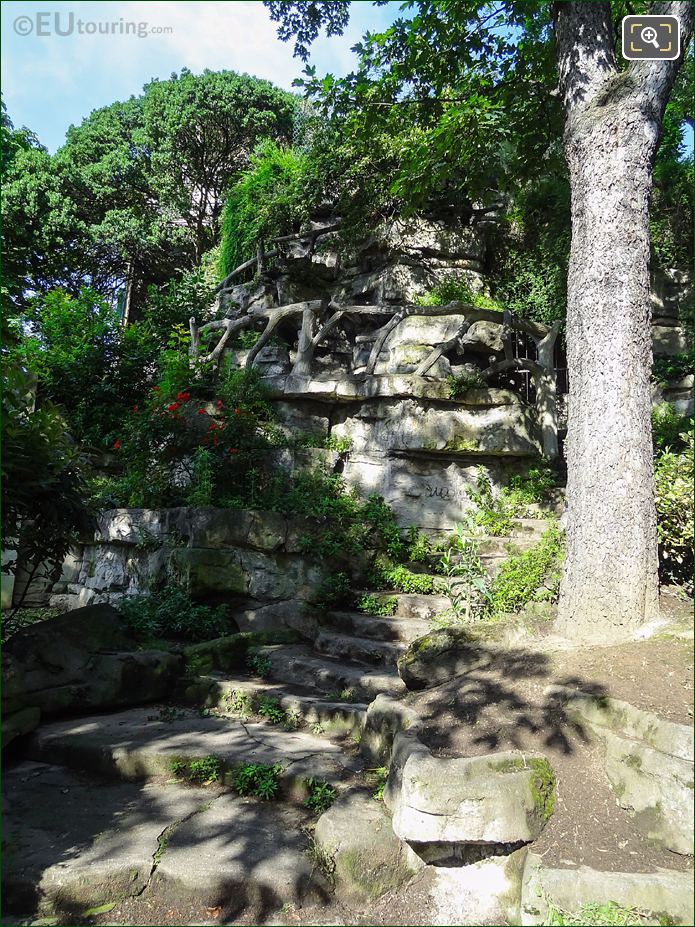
[665,897]
[649,763]
[440,655]
[254,556]
[83,660]
[447,804]
[367,857]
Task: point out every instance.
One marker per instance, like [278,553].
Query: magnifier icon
[648,36]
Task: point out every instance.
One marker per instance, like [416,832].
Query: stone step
[415,605]
[336,712]
[345,647]
[79,841]
[299,665]
[375,628]
[144,743]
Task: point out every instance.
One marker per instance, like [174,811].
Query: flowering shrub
[191,446]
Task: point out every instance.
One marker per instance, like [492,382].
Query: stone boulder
[664,896]
[82,660]
[356,839]
[447,803]
[649,764]
[440,656]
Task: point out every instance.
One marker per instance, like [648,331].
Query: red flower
[219,403]
[136,408]
[232,450]
[156,389]
[212,426]
[216,441]
[202,412]
[173,407]
[116,444]
[184,397]
[237,411]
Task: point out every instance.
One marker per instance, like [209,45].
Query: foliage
[269,708]
[454,289]
[205,770]
[334,589]
[266,202]
[43,489]
[259,664]
[378,777]
[377,605]
[258,780]
[114,202]
[329,442]
[668,428]
[673,475]
[609,914]
[467,581]
[201,488]
[531,489]
[171,613]
[400,579]
[668,370]
[321,795]
[459,386]
[533,575]
[492,513]
[418,545]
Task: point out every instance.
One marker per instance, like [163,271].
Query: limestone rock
[439,656]
[649,763]
[82,660]
[666,895]
[369,859]
[501,798]
[386,718]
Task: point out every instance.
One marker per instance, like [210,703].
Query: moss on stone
[542,787]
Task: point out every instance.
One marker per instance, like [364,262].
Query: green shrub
[269,708]
[493,514]
[203,771]
[259,664]
[266,202]
[666,370]
[418,545]
[378,606]
[609,914]
[456,289]
[668,428]
[673,475]
[530,489]
[335,589]
[321,795]
[257,780]
[466,579]
[401,579]
[171,613]
[201,488]
[522,576]
[459,386]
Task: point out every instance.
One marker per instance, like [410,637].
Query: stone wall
[252,558]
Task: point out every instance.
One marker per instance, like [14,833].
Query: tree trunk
[610,582]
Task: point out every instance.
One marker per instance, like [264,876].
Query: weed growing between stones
[321,795]
[257,780]
[378,606]
[321,859]
[610,914]
[533,575]
[400,579]
[203,771]
[270,709]
[240,703]
[378,778]
[170,612]
[259,664]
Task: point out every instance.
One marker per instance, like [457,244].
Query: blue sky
[51,81]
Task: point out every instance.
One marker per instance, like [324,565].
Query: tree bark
[613,119]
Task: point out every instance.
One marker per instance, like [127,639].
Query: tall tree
[612,130]
[489,80]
